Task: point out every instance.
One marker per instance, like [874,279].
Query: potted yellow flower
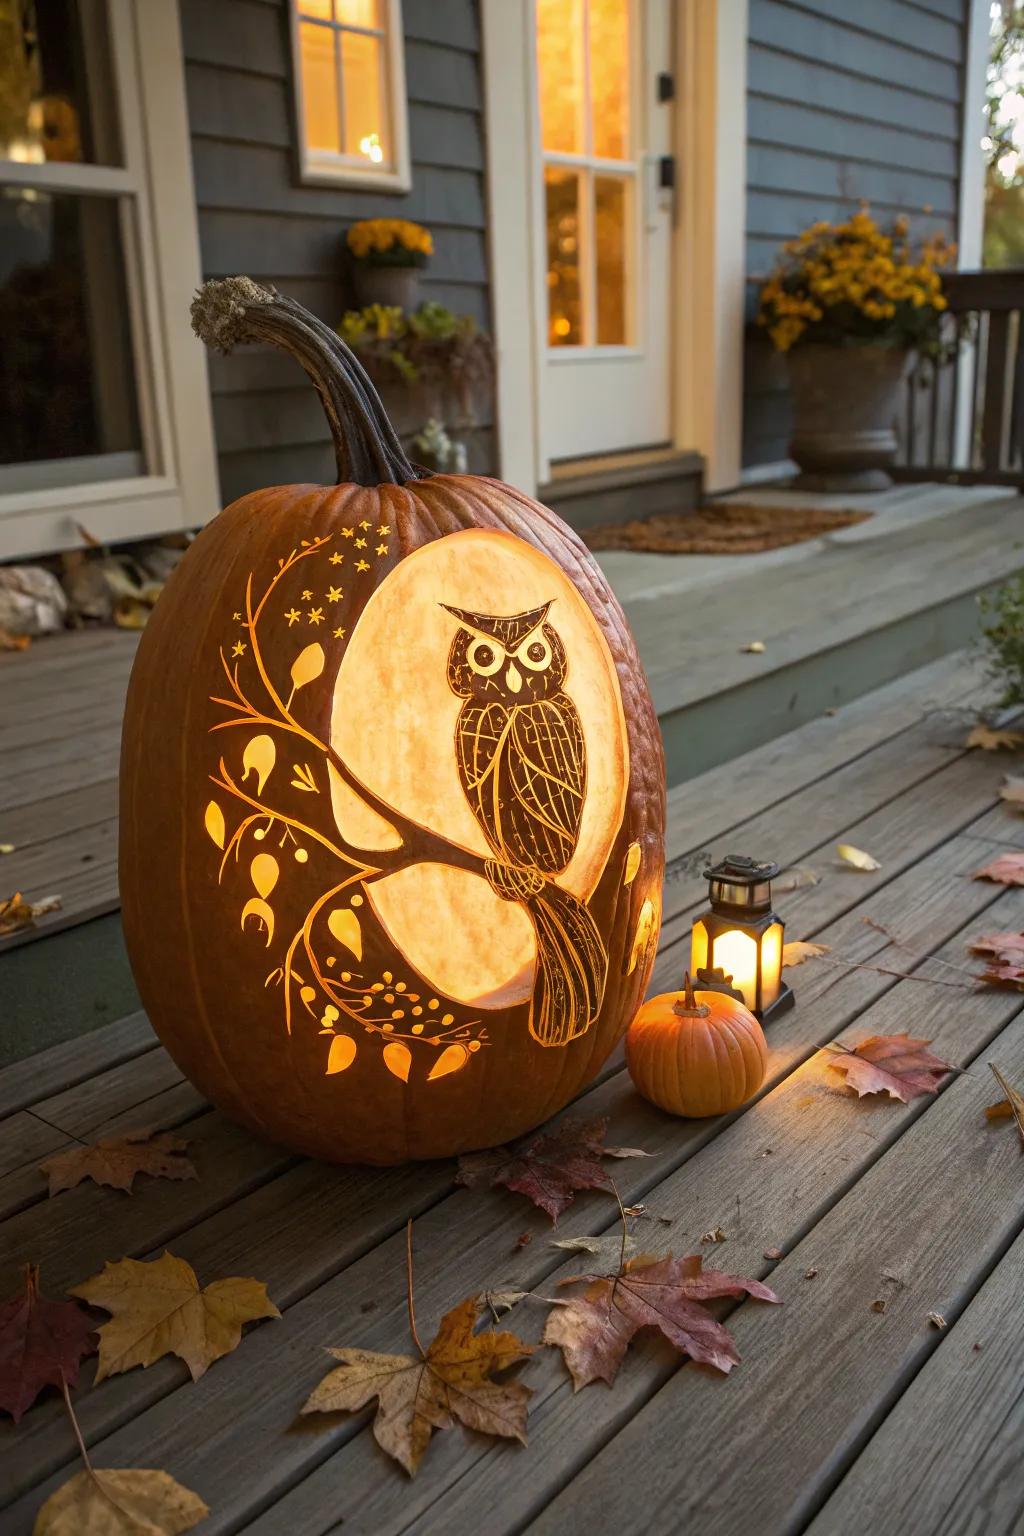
[387,255]
[850,304]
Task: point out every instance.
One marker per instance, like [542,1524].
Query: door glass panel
[320,87]
[562,217]
[560,75]
[56,96]
[67,386]
[364,112]
[608,35]
[357,13]
[611,223]
[323,10]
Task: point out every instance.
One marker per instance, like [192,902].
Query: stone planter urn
[388,285]
[846,402]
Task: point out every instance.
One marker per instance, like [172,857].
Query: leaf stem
[74,1424]
[408,1272]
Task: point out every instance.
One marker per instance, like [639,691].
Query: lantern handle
[231,310]
[689,1008]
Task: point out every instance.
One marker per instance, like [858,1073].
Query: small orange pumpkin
[696,1054]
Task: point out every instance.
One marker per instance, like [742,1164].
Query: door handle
[659,174]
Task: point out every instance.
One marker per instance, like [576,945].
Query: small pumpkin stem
[234,310]
[689,1008]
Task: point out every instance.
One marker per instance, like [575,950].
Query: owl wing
[481,737]
[545,764]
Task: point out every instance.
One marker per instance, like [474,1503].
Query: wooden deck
[839,1415]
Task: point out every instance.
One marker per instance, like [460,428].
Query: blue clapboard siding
[255,216]
[847,100]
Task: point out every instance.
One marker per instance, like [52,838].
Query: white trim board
[708,265]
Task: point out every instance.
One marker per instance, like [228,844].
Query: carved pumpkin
[392,795]
[696,1054]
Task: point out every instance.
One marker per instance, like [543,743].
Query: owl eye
[483,658]
[534,654]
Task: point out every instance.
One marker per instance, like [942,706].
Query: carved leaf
[341,1055]
[452,1059]
[632,864]
[308,665]
[398,1059]
[259,758]
[344,926]
[214,820]
[264,871]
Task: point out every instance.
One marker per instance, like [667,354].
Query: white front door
[604,134]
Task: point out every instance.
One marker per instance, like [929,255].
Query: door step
[589,493]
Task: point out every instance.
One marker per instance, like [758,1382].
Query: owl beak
[513,678]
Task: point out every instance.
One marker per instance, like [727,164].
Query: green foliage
[1004,139]
[1003,628]
[428,346]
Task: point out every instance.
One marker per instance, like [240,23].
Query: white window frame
[321,167]
[154,192]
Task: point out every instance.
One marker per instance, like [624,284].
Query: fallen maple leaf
[800,950]
[159,1309]
[549,1169]
[594,1330]
[856,857]
[1004,975]
[1013,791]
[893,1064]
[17,913]
[108,1501]
[990,740]
[1008,947]
[1005,869]
[1010,1107]
[115,1160]
[42,1344]
[417,1394]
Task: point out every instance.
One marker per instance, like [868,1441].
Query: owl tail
[572,964]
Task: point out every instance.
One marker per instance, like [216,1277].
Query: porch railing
[964,419]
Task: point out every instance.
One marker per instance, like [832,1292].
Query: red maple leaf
[549,1168]
[594,1330]
[42,1344]
[1007,869]
[893,1064]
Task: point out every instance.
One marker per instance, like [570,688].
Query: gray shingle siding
[845,101]
[255,215]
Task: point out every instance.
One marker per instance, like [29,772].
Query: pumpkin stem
[366,446]
[689,1008]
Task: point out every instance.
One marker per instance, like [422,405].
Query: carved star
[384,530]
[362,566]
[315,615]
[382,549]
[293,616]
[334,594]
[238,649]
[346,533]
[364,525]
[306,596]
[237,618]
[337,558]
[360,543]
[339,634]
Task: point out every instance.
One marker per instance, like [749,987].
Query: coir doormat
[730,528]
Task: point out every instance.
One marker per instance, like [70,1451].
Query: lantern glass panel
[771,964]
[735,953]
[698,948]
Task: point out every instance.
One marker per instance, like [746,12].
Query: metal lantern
[736,945]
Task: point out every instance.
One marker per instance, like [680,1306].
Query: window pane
[560,75]
[359,13]
[67,382]
[609,77]
[366,131]
[56,96]
[320,87]
[611,236]
[565,310]
[323,10]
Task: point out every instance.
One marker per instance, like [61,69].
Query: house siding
[845,102]
[256,216]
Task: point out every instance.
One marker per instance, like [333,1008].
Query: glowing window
[350,92]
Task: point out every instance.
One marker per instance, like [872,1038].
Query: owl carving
[522,763]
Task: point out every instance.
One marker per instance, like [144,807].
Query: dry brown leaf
[417,1394]
[1012,1107]
[608,1248]
[115,1160]
[1004,974]
[550,1168]
[716,1235]
[108,1501]
[159,1309]
[17,913]
[857,858]
[594,1330]
[894,1064]
[1013,791]
[753,648]
[800,950]
[990,740]
[937,1320]
[1005,947]
[1005,869]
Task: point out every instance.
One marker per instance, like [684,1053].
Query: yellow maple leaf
[856,857]
[109,1501]
[990,740]
[158,1308]
[801,950]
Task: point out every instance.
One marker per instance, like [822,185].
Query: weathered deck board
[62,1066]
[845,1186]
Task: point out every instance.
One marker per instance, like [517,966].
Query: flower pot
[846,403]
[392,286]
